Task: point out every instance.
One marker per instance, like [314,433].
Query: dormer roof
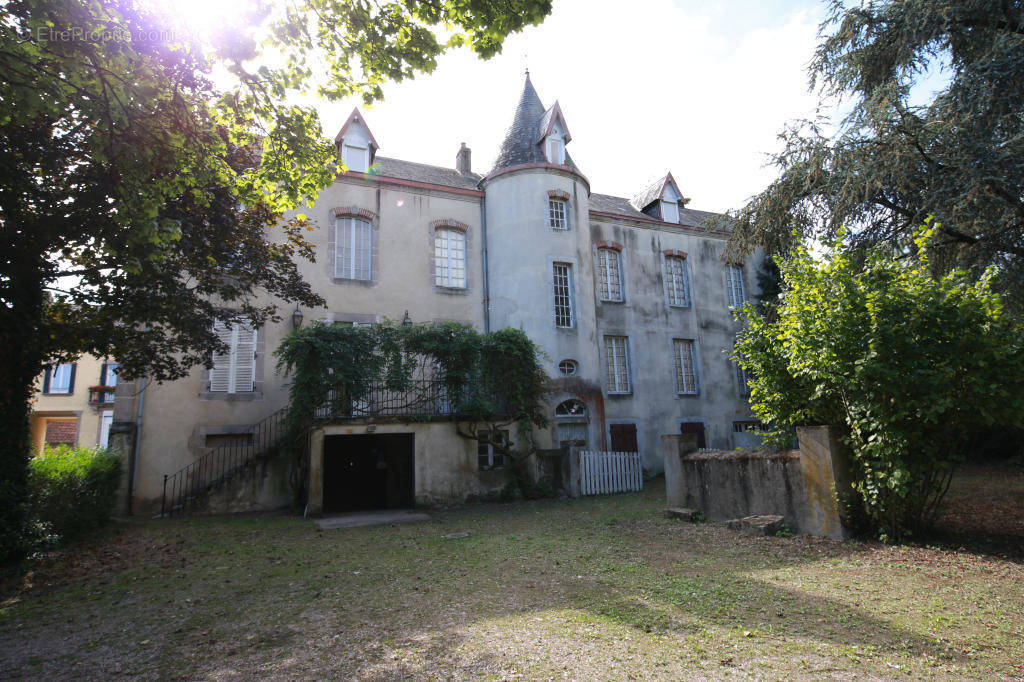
[552,118]
[655,191]
[356,119]
[522,144]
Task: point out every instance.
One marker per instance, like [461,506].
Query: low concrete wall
[799,485]
[261,487]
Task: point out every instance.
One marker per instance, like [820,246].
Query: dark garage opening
[369,471]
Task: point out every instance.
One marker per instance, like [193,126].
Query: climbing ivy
[492,380]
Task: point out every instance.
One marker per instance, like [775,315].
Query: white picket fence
[602,472]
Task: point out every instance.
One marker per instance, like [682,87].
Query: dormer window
[554,149]
[670,211]
[356,158]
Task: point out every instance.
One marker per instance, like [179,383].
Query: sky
[701,89]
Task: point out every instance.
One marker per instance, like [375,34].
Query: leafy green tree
[144,169]
[490,381]
[910,364]
[893,161]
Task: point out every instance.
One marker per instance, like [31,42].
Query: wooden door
[697,428]
[623,438]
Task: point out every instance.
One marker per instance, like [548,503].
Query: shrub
[910,363]
[74,489]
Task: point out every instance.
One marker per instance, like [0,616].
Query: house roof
[521,141]
[356,117]
[654,191]
[421,172]
[621,206]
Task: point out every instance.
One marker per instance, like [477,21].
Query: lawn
[580,589]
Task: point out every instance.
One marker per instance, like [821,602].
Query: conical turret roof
[521,141]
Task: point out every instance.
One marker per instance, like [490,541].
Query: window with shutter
[234,371]
[356,158]
[670,211]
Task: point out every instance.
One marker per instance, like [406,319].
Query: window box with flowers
[101,394]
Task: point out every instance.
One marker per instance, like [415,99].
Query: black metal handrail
[221,464]
[420,398]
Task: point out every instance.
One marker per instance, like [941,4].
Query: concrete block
[757,525]
[681,513]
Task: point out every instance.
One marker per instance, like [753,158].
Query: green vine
[494,381]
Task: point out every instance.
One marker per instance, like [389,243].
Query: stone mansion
[630,299]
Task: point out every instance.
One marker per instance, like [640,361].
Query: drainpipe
[138,437]
[483,239]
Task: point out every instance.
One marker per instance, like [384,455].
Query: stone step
[681,513]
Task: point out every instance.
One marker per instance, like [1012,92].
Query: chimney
[462,163]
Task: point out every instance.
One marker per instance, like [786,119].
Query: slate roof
[649,195]
[520,145]
[421,172]
[624,207]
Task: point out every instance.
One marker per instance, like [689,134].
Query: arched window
[571,408]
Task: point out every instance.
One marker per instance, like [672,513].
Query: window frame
[554,143]
[606,264]
[442,271]
[569,295]
[734,274]
[671,294]
[350,262]
[612,371]
[553,219]
[679,367]
[50,373]
[108,370]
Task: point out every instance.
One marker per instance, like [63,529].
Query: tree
[489,381]
[144,169]
[908,363]
[892,162]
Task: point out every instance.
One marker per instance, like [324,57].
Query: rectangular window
[353,257]
[734,286]
[450,258]
[741,379]
[556,214]
[234,371]
[676,282]
[686,375]
[356,158]
[60,379]
[106,419]
[616,363]
[487,456]
[670,211]
[556,150]
[108,377]
[563,295]
[609,275]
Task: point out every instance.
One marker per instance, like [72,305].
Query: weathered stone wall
[800,485]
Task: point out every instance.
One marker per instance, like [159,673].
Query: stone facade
[516,243]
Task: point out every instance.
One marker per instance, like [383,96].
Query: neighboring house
[74,403]
[630,299]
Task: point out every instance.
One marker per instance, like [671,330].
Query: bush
[74,489]
[910,363]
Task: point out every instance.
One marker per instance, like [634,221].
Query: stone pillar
[571,471]
[674,447]
[824,464]
[316,472]
[121,441]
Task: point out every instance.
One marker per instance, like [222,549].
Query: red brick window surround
[355,212]
[450,224]
[674,252]
[558,194]
[615,246]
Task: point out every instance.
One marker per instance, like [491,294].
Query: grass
[581,589]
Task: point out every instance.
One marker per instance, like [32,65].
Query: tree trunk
[20,319]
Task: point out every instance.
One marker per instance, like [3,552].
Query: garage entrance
[369,471]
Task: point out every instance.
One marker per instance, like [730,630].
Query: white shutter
[244,372]
[220,375]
